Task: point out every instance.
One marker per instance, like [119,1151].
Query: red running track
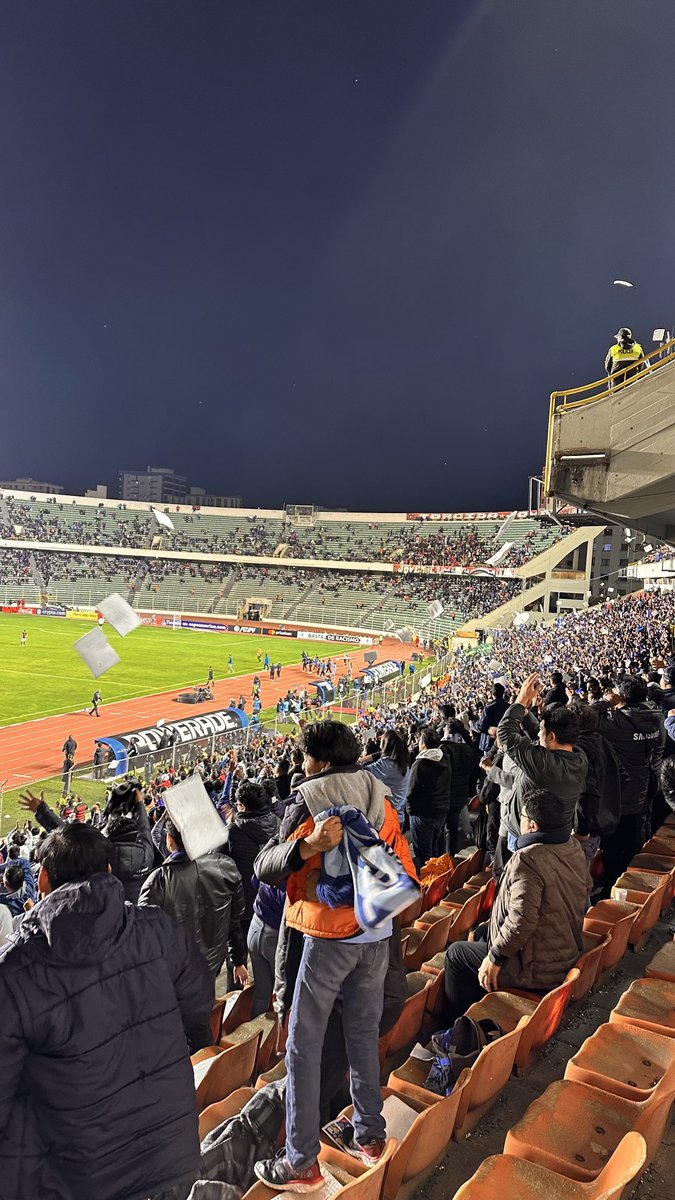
[32,751]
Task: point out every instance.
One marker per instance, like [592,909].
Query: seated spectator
[428,798]
[492,715]
[101,1004]
[15,856]
[533,936]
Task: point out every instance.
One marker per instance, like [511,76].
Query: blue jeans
[356,972]
[428,838]
[262,946]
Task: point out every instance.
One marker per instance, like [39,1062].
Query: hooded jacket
[101,1005]
[334,789]
[535,929]
[429,785]
[562,772]
[462,758]
[637,735]
[206,897]
[244,837]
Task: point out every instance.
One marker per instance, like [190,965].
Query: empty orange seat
[590,963]
[467,916]
[220,1070]
[513,1179]
[648,1003]
[624,1060]
[238,1006]
[431,915]
[573,1129]
[408,1025]
[542,1016]
[635,886]
[424,942]
[215,1114]
[616,918]
[662,845]
[267,1028]
[662,966]
[480,1086]
[435,891]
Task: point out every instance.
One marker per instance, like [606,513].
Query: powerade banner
[382,672]
[192,729]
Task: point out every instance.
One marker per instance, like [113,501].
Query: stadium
[263,625]
[337,759]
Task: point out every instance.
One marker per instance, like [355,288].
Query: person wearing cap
[623,358]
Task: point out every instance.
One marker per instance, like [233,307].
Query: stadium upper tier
[359,599]
[458,540]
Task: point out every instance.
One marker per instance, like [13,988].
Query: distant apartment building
[203,499]
[26,484]
[155,485]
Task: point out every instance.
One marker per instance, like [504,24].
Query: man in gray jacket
[551,763]
[534,935]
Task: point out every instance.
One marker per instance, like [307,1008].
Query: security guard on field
[622,359]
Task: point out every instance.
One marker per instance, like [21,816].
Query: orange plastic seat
[219,1071]
[589,964]
[411,913]
[617,919]
[479,879]
[635,886]
[215,1114]
[432,895]
[216,1018]
[660,864]
[467,916]
[424,942]
[419,1150]
[669,823]
[271,1075]
[624,1060]
[359,1182]
[541,1016]
[649,1004]
[266,1026]
[238,1006]
[431,915]
[662,966]
[573,1129]
[480,1086]
[474,862]
[660,844]
[408,1025]
[514,1179]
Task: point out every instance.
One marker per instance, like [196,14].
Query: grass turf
[47,676]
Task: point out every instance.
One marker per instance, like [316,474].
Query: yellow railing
[600,390]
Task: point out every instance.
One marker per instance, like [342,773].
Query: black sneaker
[278,1173]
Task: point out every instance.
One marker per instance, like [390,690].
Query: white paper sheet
[95,650]
[191,810]
[119,614]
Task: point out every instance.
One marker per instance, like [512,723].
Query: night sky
[329,251]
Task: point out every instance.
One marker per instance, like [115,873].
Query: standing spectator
[557,693]
[428,798]
[102,1003]
[251,826]
[99,761]
[205,896]
[636,733]
[551,763]
[462,756]
[393,768]
[492,715]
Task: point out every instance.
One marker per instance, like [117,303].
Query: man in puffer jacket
[428,798]
[534,935]
[102,1004]
[251,827]
[636,733]
[337,957]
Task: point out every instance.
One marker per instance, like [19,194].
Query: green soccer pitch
[47,676]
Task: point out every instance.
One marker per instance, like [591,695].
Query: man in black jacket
[102,1004]
[249,829]
[636,733]
[206,897]
[428,800]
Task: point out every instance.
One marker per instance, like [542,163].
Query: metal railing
[601,389]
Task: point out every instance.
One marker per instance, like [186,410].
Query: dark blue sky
[336,251]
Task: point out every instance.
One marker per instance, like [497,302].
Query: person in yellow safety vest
[622,359]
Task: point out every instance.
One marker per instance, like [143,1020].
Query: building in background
[27,484]
[613,552]
[201,498]
[155,485]
[100,492]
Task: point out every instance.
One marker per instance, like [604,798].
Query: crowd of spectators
[458,543]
